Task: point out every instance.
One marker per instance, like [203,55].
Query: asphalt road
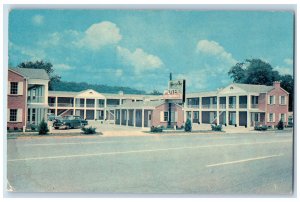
[234,164]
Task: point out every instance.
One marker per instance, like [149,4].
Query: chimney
[276,84]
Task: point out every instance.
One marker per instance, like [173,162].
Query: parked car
[50,116]
[70,121]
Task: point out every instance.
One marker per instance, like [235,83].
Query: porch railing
[209,106]
[222,106]
[35,99]
[243,106]
[232,106]
[254,106]
[192,106]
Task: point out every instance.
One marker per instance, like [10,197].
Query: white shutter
[267,117]
[8,115]
[20,88]
[161,116]
[268,97]
[8,87]
[19,115]
[176,116]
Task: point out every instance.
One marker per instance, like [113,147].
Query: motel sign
[175,91]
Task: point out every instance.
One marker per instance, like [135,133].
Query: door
[149,118]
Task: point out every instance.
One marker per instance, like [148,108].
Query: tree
[188,125]
[256,71]
[43,128]
[155,92]
[54,78]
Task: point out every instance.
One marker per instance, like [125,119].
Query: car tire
[56,128]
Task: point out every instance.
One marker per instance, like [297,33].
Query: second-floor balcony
[232,106]
[222,106]
[64,105]
[194,106]
[209,106]
[243,106]
[35,99]
[254,106]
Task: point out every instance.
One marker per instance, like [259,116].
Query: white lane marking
[243,160]
[67,143]
[142,151]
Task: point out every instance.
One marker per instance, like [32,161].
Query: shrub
[188,125]
[43,128]
[280,125]
[157,129]
[261,128]
[216,128]
[33,127]
[89,130]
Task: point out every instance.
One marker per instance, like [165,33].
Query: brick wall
[17,101]
[276,108]
[165,107]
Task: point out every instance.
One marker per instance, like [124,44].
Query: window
[166,116]
[13,115]
[282,100]
[272,99]
[14,88]
[271,117]
[33,115]
[282,117]
[196,115]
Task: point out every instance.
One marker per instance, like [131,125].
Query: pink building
[27,95]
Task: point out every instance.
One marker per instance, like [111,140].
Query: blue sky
[139,48]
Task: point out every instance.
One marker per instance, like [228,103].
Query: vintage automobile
[69,121]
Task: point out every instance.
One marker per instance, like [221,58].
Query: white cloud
[38,19]
[284,70]
[99,35]
[288,61]
[32,54]
[62,67]
[139,59]
[213,48]
[65,38]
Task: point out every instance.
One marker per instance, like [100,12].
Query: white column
[143,113]
[218,112]
[127,117]
[134,118]
[120,116]
[74,103]
[248,119]
[237,110]
[227,112]
[105,109]
[95,105]
[84,109]
[184,115]
[115,116]
[55,104]
[248,110]
[200,116]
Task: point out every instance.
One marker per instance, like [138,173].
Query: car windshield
[58,117]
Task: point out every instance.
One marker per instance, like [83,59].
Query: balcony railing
[79,105]
[100,106]
[64,105]
[112,105]
[243,106]
[254,106]
[90,105]
[209,106]
[51,104]
[35,99]
[192,106]
[232,106]
[222,106]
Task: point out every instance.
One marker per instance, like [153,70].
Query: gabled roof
[142,104]
[254,88]
[32,73]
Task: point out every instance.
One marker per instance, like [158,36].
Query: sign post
[174,95]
